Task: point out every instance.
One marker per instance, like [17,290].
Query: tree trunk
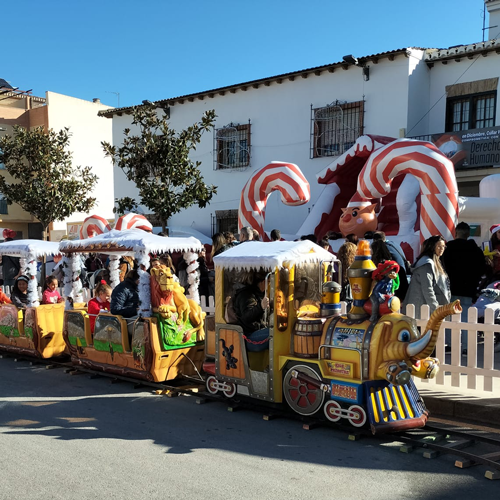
[43,272]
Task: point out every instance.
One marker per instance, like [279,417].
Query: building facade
[87,130]
[309,117]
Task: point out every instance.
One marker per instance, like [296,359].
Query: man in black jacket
[250,304]
[465,264]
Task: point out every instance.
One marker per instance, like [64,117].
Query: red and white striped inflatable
[434,172]
[133,221]
[93,225]
[286,178]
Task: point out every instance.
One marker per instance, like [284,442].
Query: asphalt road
[65,436]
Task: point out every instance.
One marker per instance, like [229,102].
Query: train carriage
[37,330]
[321,362]
[165,341]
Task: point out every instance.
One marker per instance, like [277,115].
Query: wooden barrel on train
[307,337]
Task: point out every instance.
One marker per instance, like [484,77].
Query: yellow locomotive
[319,360]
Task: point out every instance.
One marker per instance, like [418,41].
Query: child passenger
[19,293]
[100,302]
[50,294]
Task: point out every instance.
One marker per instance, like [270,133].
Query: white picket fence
[476,370]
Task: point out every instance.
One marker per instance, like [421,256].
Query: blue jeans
[256,337]
[465,302]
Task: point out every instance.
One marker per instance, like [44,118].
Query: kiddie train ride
[165,340]
[320,361]
[36,331]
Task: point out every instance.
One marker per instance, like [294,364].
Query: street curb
[484,411]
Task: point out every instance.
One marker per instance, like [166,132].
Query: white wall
[280,118]
[418,94]
[88,130]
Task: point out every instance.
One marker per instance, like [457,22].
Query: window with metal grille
[471,111]
[225,220]
[335,128]
[232,147]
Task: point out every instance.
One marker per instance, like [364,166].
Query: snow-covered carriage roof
[29,248]
[255,254]
[130,241]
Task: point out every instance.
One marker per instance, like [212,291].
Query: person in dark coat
[125,297]
[464,263]
[204,285]
[250,304]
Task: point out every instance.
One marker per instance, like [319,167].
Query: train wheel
[360,416]
[332,411]
[303,398]
[230,391]
[211,385]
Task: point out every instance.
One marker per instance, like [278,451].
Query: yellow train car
[154,346]
[317,360]
[35,330]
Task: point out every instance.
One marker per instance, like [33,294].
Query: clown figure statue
[386,283]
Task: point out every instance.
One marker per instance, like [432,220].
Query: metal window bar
[232,147]
[335,128]
[226,220]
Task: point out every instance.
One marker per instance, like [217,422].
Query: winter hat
[494,228]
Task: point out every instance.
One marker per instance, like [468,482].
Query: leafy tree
[44,181]
[157,161]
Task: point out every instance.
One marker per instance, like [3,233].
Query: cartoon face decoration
[358,220]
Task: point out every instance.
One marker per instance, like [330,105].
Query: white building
[309,117]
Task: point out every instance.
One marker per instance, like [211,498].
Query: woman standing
[429,284]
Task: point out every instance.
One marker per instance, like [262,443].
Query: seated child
[50,294]
[100,302]
[19,292]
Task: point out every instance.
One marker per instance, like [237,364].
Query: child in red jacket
[100,302]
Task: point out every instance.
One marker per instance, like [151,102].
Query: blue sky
[156,49]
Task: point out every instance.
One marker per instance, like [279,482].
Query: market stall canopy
[255,254]
[29,248]
[130,241]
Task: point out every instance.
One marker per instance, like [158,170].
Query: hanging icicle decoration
[67,279]
[76,269]
[29,268]
[114,273]
[143,263]
[193,276]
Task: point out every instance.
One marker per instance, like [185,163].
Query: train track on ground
[471,447]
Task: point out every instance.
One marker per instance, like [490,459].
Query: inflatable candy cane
[286,178]
[133,221]
[93,225]
[435,174]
